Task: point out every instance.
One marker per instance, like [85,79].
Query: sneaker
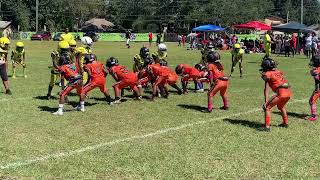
[25,76]
[78,108]
[58,113]
[283,125]
[224,108]
[14,76]
[312,118]
[265,129]
[117,101]
[8,92]
[139,98]
[200,90]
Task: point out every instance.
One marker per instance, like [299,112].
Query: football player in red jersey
[218,81]
[124,78]
[315,73]
[274,79]
[69,72]
[97,76]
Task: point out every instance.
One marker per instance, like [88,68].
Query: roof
[255,25]
[4,24]
[292,27]
[208,28]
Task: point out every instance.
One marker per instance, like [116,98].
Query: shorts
[100,83]
[127,82]
[3,72]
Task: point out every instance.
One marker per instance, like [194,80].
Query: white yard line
[63,155]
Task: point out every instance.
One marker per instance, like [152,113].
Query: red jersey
[158,70]
[96,70]
[315,72]
[191,71]
[216,72]
[68,71]
[122,72]
[274,78]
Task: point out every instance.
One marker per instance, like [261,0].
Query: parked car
[41,36]
[57,37]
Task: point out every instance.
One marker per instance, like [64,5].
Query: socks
[285,119]
[313,110]
[82,104]
[267,121]
[225,103]
[210,104]
[60,108]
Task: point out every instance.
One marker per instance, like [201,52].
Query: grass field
[166,139]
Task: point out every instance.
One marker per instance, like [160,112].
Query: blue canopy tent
[208,28]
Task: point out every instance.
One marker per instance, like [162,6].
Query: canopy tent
[253,25]
[292,27]
[208,28]
[96,24]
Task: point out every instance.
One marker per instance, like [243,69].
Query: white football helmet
[162,47]
[86,41]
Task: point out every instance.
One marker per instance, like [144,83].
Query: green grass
[199,146]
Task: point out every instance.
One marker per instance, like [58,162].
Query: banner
[248,36]
[111,37]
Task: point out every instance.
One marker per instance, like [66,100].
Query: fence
[113,37]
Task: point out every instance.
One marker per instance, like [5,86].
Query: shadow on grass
[47,109]
[254,62]
[246,123]
[75,103]
[44,97]
[294,115]
[192,107]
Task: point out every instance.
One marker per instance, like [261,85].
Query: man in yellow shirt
[67,36]
[267,44]
[237,56]
[4,47]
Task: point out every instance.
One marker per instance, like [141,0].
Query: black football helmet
[112,61]
[213,57]
[89,58]
[268,64]
[144,52]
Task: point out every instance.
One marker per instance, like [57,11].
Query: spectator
[128,36]
[293,44]
[179,39]
[278,44]
[159,36]
[287,46]
[150,39]
[314,46]
[308,45]
[184,40]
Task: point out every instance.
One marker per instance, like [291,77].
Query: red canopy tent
[254,25]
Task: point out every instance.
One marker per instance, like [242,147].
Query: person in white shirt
[308,45]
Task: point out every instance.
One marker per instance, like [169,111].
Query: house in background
[274,21]
[6,29]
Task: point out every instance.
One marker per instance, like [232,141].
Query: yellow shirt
[237,55]
[67,37]
[267,40]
